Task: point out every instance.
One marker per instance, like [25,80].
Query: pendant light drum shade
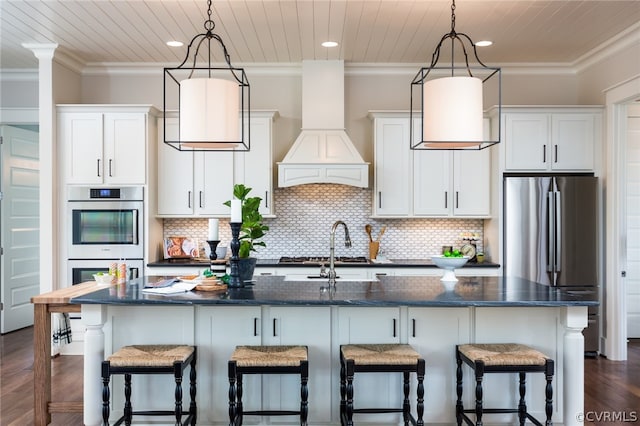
[209,111]
[453,111]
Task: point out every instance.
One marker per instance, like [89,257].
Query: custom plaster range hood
[323,152]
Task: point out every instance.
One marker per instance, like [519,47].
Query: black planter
[246,266]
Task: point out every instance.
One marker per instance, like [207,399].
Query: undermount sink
[319,279]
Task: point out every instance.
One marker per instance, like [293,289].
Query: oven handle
[136,239]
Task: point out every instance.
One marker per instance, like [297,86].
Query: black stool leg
[479,375]
[459,406]
[343,390]
[232,393]
[549,392]
[239,406]
[106,376]
[349,393]
[193,409]
[421,370]
[304,392]
[177,374]
[406,404]
[128,410]
[522,405]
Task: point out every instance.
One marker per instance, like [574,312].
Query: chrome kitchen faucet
[332,250]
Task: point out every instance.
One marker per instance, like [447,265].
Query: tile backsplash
[306,213]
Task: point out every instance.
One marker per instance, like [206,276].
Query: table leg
[41,364]
[574,321]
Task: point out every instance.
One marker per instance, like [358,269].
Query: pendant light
[213,102]
[449,99]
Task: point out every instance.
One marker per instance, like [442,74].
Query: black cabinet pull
[544,153]
[110,172]
[446,195]
[200,198]
[555,153]
[266,199]
[274,327]
[457,206]
[255,326]
[394,327]
[189,199]
[413,327]
[98,168]
[379,199]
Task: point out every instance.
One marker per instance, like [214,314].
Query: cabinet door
[373,325]
[572,141]
[125,148]
[471,194]
[432,183]
[392,167]
[219,330]
[526,140]
[311,327]
[81,137]
[175,175]
[213,182]
[254,168]
[434,332]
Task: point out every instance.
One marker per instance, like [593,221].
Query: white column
[574,320]
[48,261]
[93,317]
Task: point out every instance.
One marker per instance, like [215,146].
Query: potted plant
[251,231]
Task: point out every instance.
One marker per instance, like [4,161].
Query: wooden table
[44,305]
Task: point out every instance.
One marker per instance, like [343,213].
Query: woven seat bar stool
[381,358]
[503,358]
[267,360]
[151,359]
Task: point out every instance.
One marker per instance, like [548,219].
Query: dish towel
[61,329]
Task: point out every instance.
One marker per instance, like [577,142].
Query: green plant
[252,229]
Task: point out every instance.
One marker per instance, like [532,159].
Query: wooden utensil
[367,228]
[384,228]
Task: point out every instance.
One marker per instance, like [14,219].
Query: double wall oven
[105,225]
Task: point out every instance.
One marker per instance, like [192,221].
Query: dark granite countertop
[394,263]
[388,291]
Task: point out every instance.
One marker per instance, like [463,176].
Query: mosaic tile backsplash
[306,213]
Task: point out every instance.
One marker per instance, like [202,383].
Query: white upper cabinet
[551,139]
[423,183]
[102,144]
[196,184]
[392,167]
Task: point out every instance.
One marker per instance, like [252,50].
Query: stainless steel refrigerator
[550,235]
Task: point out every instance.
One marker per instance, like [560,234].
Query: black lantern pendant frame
[485,73]
[173,76]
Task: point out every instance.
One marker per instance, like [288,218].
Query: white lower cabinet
[220,330]
[306,326]
[372,325]
[434,333]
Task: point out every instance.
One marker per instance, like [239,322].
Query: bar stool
[380,358]
[267,360]
[503,358]
[151,359]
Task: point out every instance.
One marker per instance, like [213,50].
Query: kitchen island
[417,310]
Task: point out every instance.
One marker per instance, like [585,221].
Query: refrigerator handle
[558,226]
[551,233]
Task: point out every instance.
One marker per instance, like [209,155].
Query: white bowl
[104,279]
[449,264]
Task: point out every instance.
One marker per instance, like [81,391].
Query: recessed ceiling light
[175,43]
[329,44]
[484,43]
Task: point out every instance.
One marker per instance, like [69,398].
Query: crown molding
[615,44]
[19,74]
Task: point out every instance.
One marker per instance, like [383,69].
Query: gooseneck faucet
[332,250]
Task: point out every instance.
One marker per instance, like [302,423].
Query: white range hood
[323,152]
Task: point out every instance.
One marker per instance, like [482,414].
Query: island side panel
[538,327]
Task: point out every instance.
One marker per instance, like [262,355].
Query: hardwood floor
[612,395]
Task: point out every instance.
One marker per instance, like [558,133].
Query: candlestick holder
[213,246]
[234,260]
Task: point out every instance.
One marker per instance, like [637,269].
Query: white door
[19,232]
[633,225]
